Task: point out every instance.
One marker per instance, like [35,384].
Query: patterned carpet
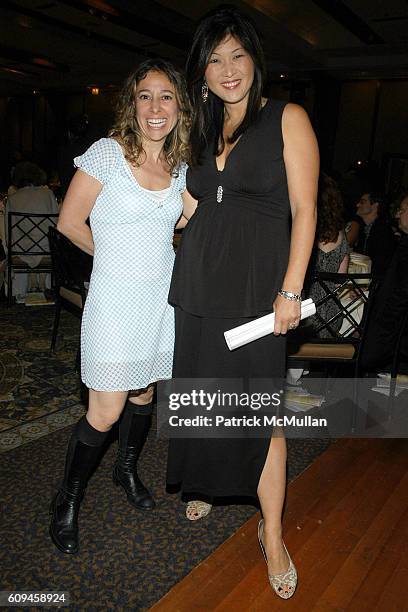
[128,559]
[40,391]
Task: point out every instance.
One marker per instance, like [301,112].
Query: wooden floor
[346,527]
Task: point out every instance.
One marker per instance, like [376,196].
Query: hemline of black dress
[222,466]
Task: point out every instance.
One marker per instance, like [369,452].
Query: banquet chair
[27,243]
[72,270]
[344,291]
[342,346]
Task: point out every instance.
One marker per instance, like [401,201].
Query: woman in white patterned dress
[131,187]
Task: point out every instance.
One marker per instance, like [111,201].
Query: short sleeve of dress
[181,179]
[100,160]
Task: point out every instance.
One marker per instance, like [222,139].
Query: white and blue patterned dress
[127,332]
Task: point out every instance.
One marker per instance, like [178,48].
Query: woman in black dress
[255,165]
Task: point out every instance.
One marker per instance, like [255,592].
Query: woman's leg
[133,430]
[84,451]
[271,493]
[105,408]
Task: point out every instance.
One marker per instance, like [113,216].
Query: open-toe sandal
[283,584]
[197,509]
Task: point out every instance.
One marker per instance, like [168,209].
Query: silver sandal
[197,509]
[283,584]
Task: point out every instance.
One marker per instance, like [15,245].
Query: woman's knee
[105,408]
[101,421]
[142,396]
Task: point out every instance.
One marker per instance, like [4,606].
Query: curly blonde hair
[126,129]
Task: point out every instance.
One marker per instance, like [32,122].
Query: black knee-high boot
[84,449]
[133,429]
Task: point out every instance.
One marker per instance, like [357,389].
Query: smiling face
[230,71]
[402,216]
[156,106]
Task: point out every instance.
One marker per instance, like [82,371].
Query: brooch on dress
[219,194]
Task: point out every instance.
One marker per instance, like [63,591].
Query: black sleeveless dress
[229,267]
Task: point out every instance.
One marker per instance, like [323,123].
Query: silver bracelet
[289,295]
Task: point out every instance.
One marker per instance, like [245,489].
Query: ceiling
[67,46]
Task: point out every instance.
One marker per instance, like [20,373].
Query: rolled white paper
[258,328]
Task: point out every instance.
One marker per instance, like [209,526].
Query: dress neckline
[144,190]
[237,144]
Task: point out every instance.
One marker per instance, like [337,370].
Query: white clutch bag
[258,328]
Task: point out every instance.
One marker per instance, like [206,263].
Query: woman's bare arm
[343,268]
[76,208]
[189,208]
[301,157]
[352,234]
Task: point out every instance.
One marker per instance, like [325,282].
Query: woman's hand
[287,315]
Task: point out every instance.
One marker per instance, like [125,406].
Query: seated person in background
[17,157]
[331,252]
[352,231]
[390,305]
[376,238]
[54,184]
[32,196]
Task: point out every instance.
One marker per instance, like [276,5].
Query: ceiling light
[14,71]
[23,22]
[41,61]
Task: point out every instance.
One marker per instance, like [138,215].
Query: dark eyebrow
[237,49]
[161,91]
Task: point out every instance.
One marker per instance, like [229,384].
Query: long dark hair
[208,117]
[126,129]
[330,210]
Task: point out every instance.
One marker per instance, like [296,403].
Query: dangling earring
[204,91]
